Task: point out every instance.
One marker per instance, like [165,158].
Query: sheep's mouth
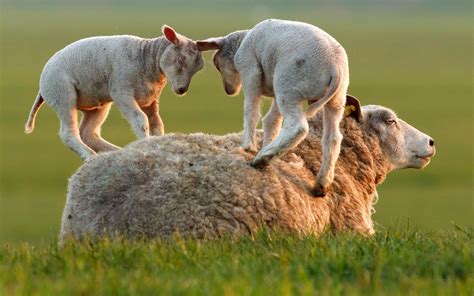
[426,156]
[423,160]
[423,157]
[229,89]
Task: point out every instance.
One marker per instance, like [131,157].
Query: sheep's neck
[152,50]
[235,40]
[381,165]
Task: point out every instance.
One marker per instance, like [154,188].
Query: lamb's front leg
[252,99]
[156,124]
[295,128]
[132,112]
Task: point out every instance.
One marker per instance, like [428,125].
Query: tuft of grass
[397,261]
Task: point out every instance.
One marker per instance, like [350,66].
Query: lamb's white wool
[293,62]
[203,186]
[89,74]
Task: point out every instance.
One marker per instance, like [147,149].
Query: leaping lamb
[202,185]
[89,74]
[292,62]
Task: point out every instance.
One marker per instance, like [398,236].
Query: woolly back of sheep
[202,186]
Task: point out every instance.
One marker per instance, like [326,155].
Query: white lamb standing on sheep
[202,186]
[293,62]
[89,74]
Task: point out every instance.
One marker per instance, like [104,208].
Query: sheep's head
[224,59]
[404,145]
[230,76]
[180,60]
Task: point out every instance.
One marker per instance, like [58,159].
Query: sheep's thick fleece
[203,186]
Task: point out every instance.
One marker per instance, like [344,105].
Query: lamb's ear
[170,34]
[209,44]
[353,108]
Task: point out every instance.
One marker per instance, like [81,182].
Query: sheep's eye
[391,121]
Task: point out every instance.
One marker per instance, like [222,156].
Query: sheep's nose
[182,90]
[229,89]
[431,142]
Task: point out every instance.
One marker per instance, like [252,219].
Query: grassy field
[396,262]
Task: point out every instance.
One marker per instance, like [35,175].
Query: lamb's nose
[182,90]
[431,142]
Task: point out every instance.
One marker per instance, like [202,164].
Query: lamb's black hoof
[259,163]
[319,190]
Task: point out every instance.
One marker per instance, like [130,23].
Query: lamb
[89,74]
[292,62]
[201,185]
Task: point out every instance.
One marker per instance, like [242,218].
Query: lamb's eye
[391,121]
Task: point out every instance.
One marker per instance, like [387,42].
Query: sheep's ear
[209,44]
[170,34]
[353,108]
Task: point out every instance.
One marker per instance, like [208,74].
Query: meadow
[419,63]
[396,262]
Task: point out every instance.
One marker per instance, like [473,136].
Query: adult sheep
[203,186]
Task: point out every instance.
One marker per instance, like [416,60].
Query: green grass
[395,262]
[419,64]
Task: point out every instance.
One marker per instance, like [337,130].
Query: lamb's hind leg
[295,128]
[91,123]
[331,143]
[69,130]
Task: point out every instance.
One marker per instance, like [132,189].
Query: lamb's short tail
[30,124]
[333,88]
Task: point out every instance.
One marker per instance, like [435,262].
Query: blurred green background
[414,57]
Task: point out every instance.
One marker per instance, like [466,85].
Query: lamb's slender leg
[271,124]
[331,144]
[252,99]
[156,124]
[91,123]
[69,130]
[132,112]
[295,128]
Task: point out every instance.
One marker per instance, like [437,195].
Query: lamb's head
[224,59]
[403,145]
[180,60]
[230,76]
